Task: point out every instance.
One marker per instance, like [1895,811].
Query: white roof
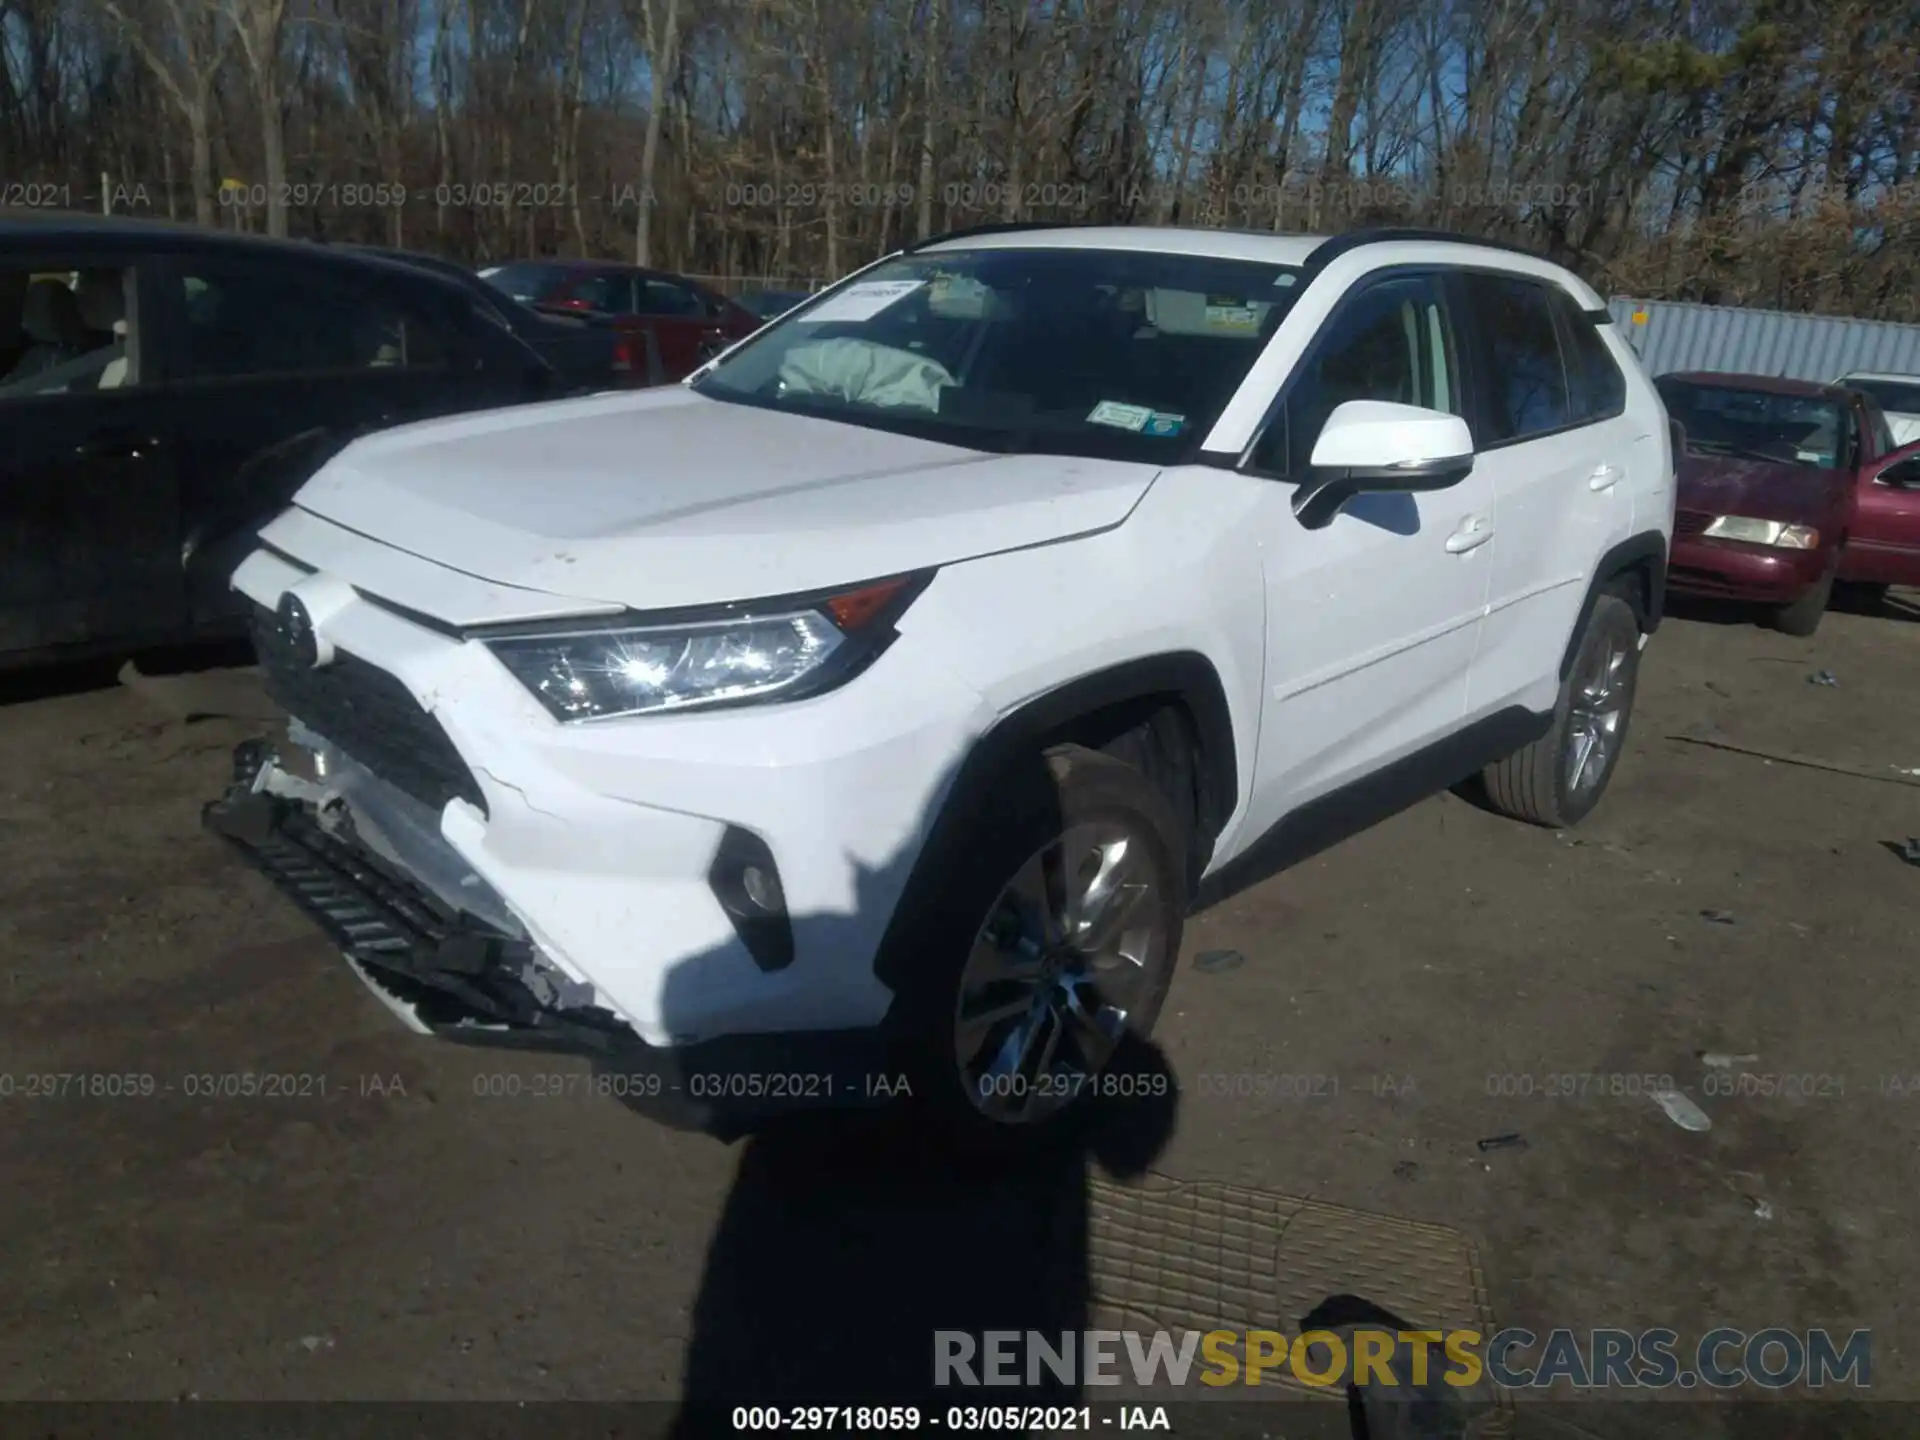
[1274,249]
[1876,375]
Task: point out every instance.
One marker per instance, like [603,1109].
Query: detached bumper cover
[459,978]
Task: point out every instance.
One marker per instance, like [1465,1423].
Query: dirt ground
[401,1236]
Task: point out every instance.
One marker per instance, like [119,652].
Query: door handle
[1474,532]
[117,446]
[1605,478]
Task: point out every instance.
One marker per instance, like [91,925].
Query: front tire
[1559,778]
[1803,616]
[1055,935]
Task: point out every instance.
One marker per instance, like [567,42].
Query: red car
[1786,486]
[685,321]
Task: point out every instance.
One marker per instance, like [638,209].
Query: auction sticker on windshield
[859,302]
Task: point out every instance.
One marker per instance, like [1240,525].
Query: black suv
[165,389]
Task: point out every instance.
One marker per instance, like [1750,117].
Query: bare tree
[660,35]
[184,43]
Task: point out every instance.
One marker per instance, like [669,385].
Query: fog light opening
[746,882]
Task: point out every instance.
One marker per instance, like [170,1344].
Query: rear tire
[1803,616]
[1554,781]
[1057,929]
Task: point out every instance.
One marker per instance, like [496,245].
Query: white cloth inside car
[863,373]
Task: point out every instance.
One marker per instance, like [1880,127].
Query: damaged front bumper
[447,971]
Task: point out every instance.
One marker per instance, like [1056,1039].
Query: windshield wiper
[1740,452]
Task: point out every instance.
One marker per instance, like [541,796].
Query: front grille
[1690,522]
[370,715]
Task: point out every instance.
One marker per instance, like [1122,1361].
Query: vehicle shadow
[79,677]
[1705,610]
[1894,605]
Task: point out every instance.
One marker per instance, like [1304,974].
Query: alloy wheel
[1597,714]
[1067,956]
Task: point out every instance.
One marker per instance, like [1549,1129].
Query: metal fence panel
[1672,336]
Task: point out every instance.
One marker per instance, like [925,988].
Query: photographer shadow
[849,1242]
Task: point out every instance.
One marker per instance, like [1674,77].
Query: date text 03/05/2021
[958,1419]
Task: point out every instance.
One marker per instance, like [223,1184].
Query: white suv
[865,714]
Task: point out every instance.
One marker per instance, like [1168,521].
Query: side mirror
[1375,446]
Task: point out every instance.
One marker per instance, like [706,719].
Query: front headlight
[777,651]
[1763,532]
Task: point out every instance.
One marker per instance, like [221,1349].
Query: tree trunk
[273,141]
[933,62]
[201,133]
[662,61]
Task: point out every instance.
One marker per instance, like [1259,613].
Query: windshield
[1118,354]
[529,284]
[1757,424]
[1900,396]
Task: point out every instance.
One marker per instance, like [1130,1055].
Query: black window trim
[428,305]
[1472,321]
[146,352]
[1343,307]
[1567,316]
[1468,338]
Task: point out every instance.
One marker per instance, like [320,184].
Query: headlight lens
[1763,532]
[779,653]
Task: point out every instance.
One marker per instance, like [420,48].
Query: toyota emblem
[295,626]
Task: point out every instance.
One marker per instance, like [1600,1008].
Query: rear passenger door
[1552,436]
[275,364]
[89,498]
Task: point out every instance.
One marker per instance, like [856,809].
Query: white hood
[667,498]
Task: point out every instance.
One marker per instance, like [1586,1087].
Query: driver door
[1373,620]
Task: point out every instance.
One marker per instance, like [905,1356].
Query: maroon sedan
[685,322]
[1768,489]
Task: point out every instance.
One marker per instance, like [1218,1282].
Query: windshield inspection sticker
[859,302]
[1230,315]
[1123,417]
[1162,424]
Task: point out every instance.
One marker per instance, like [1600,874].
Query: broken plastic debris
[1714,1060]
[1717,917]
[1217,960]
[1513,1141]
[1904,770]
[1682,1111]
[1823,677]
[312,1343]
[1761,1209]
[1910,852]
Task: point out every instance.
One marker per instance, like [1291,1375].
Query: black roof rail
[1339,245]
[1005,227]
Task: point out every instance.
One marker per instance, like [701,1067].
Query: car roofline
[1325,251]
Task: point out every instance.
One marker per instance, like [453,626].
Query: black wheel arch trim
[1645,553]
[1186,676]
